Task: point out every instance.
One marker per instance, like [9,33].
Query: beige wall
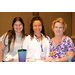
[73,27]
[6,19]
[73,23]
[48,17]
[45,17]
[27,16]
[67,18]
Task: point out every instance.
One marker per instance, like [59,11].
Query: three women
[38,44]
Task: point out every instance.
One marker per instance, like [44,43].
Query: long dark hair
[31,26]
[11,33]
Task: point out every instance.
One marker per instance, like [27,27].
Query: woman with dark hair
[12,40]
[37,42]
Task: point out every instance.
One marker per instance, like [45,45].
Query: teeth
[18,29]
[37,30]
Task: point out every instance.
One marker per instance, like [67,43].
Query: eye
[20,24]
[35,25]
[39,25]
[60,27]
[56,27]
[15,24]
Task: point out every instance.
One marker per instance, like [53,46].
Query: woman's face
[58,29]
[37,27]
[18,27]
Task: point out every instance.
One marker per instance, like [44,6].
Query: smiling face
[58,29]
[18,27]
[37,27]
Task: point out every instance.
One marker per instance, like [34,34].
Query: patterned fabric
[74,56]
[60,50]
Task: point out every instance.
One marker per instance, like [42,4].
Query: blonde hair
[61,21]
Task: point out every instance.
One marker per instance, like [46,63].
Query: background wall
[6,19]
[67,18]
[73,27]
[48,17]
[73,24]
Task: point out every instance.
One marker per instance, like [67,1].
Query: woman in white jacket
[37,43]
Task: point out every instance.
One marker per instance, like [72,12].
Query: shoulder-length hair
[11,33]
[61,21]
[31,26]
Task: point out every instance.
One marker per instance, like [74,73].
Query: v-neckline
[59,42]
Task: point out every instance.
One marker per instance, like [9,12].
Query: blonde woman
[61,46]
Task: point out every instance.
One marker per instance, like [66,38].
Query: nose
[37,27]
[58,28]
[18,25]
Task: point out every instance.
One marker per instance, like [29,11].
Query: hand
[11,59]
[50,59]
[5,57]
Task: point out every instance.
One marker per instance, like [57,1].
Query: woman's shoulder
[51,39]
[4,35]
[67,38]
[48,37]
[27,37]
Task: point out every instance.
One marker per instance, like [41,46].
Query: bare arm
[2,47]
[63,59]
[70,54]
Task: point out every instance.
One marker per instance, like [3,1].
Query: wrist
[57,60]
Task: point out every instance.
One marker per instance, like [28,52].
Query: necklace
[39,41]
[38,36]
